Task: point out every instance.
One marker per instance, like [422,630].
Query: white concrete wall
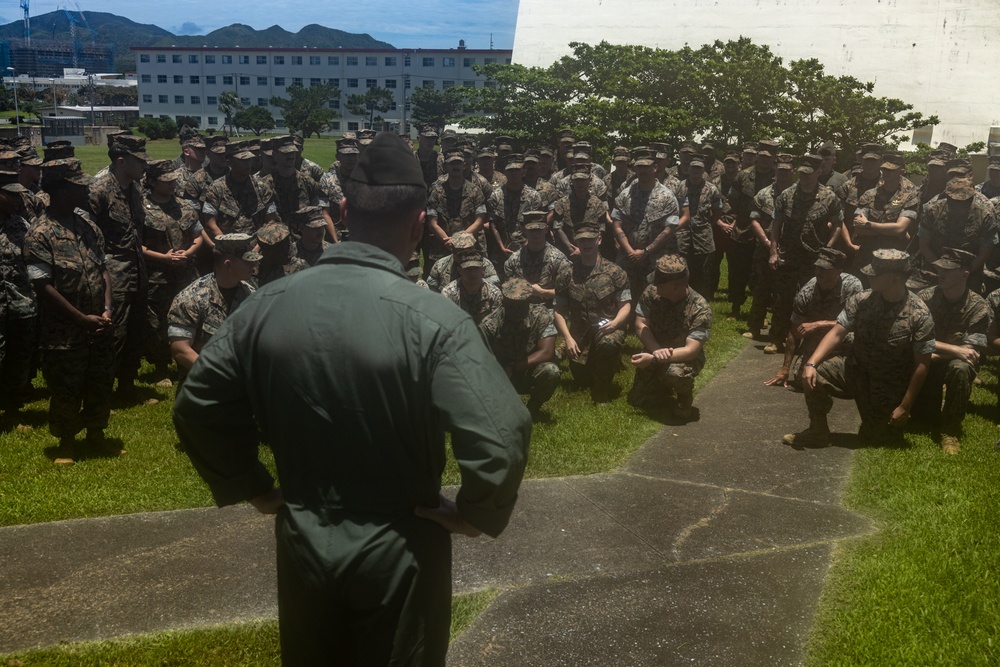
[941,56]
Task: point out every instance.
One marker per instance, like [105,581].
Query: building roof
[312,49]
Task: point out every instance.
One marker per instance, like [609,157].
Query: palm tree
[229,104]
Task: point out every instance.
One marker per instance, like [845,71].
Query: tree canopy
[256,119]
[437,107]
[373,101]
[307,111]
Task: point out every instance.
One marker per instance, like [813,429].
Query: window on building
[314,60]
[209,60]
[447,62]
[278,60]
[390,61]
[296,60]
[469,84]
[352,83]
[261,80]
[161,57]
[244,60]
[163,99]
[352,61]
[196,99]
[279,81]
[334,104]
[406,60]
[147,99]
[192,60]
[195,79]
[227,60]
[390,83]
[146,78]
[371,61]
[261,60]
[427,83]
[144,57]
[297,81]
[262,101]
[210,79]
[489,61]
[315,82]
[176,58]
[147,115]
[245,101]
[507,60]
[212,100]
[335,125]
[406,83]
[178,99]
[213,120]
[489,84]
[333,60]
[279,123]
[468,62]
[161,78]
[334,82]
[447,84]
[352,126]
[371,83]
[244,81]
[178,78]
[427,62]
[227,80]
[407,106]
[392,106]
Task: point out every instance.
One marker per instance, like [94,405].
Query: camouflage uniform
[431,166]
[572,213]
[455,211]
[445,270]
[478,305]
[193,185]
[696,240]
[880,363]
[173,225]
[311,169]
[587,296]
[643,216]
[506,211]
[545,190]
[310,257]
[239,207]
[32,204]
[564,186]
[120,216]
[850,193]
[671,325]
[18,316]
[78,367]
[970,233]
[763,289]
[806,219]
[330,185]
[293,193]
[747,184]
[813,304]
[887,207]
[511,341]
[538,268]
[964,322]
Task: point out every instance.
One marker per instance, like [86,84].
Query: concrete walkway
[710,546]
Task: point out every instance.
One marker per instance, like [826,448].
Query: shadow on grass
[109,448]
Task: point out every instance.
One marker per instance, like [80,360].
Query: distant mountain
[124,33]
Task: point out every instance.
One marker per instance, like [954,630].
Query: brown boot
[950,445]
[817,435]
[65,454]
[683,408]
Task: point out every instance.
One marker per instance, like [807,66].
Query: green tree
[191,121]
[229,104]
[374,100]
[437,107]
[158,128]
[307,111]
[256,119]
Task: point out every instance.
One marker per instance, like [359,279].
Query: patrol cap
[535,220]
[487,152]
[887,261]
[194,141]
[750,148]
[668,268]
[185,133]
[267,146]
[309,216]
[994,162]
[587,231]
[731,157]
[69,170]
[954,258]
[784,161]
[348,146]
[127,143]
[429,132]
[767,148]
[161,170]
[502,139]
[809,163]
[388,161]
[216,143]
[298,140]
[449,134]
[893,161]
[642,157]
[110,136]
[580,172]
[662,150]
[688,147]
[708,148]
[547,150]
[531,155]
[517,290]
[871,152]
[11,157]
[272,233]
[237,245]
[468,259]
[951,149]
[239,150]
[454,155]
[827,149]
[567,136]
[514,161]
[29,157]
[350,135]
[830,258]
[959,166]
[619,153]
[698,160]
[959,189]
[9,178]
[462,241]
[368,134]
[254,146]
[937,158]
[284,144]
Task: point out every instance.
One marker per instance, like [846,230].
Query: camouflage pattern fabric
[479,305]
[964,322]
[643,216]
[546,191]
[444,271]
[293,193]
[571,213]
[200,309]
[945,229]
[80,380]
[311,169]
[512,341]
[808,221]
[120,216]
[541,268]
[331,188]
[19,292]
[310,256]
[564,186]
[746,185]
[673,323]
[815,305]
[170,226]
[705,204]
[293,264]
[506,211]
[455,210]
[239,207]
[887,207]
[193,185]
[589,295]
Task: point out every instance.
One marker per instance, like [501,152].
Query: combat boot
[817,435]
[683,408]
[950,445]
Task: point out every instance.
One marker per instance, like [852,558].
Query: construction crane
[27,23]
[75,20]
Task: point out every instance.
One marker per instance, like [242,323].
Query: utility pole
[17,111]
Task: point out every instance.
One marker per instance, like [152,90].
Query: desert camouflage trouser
[875,397]
[539,382]
[657,383]
[18,342]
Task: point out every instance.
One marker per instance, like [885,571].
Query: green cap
[69,170]
[161,170]
[830,258]
[535,220]
[309,216]
[669,268]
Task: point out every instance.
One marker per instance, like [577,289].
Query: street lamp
[17,111]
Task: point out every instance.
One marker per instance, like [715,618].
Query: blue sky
[420,24]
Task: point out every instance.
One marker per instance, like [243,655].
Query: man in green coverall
[355,409]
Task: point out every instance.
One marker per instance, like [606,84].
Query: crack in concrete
[686,532]
[610,516]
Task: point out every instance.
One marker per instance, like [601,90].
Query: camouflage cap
[937,158]
[161,170]
[54,152]
[267,146]
[750,148]
[893,161]
[237,245]
[309,216]
[547,150]
[580,172]
[349,135]
[959,189]
[535,220]
[708,148]
[348,146]
[429,132]
[587,231]
[284,144]
[194,141]
[29,157]
[959,166]
[502,139]
[698,160]
[731,157]
[254,146]
[827,149]
[830,258]
[567,136]
[531,155]
[954,258]
[298,140]
[642,157]
[514,161]
[887,261]
[487,152]
[69,170]
[185,133]
[950,149]
[449,134]
[468,259]
[662,150]
[871,152]
[688,147]
[668,268]
[784,161]
[9,179]
[454,155]
[127,143]
[809,163]
[239,150]
[366,133]
[620,153]
[110,136]
[994,162]
[11,158]
[216,143]
[272,233]
[517,290]
[767,147]
[462,241]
